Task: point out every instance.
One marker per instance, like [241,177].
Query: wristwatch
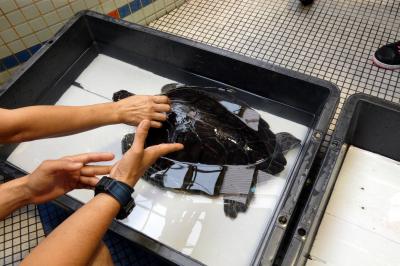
[118,190]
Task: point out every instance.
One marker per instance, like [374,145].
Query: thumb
[159,150]
[62,165]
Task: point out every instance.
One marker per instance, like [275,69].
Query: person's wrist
[118,112]
[129,181]
[111,201]
[22,190]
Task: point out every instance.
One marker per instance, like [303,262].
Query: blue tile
[10,61]
[135,5]
[2,68]
[35,48]
[23,56]
[145,2]
[124,11]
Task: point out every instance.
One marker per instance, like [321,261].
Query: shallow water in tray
[192,224]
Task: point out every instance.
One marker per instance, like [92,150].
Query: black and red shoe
[388,56]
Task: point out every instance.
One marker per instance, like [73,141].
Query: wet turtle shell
[227,145]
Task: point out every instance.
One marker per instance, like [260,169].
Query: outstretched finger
[90,157]
[61,165]
[93,170]
[140,135]
[160,150]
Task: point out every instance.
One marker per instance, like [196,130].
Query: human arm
[52,179]
[75,240]
[28,123]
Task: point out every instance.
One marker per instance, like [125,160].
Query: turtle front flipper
[287,141]
[127,142]
[169,87]
[122,94]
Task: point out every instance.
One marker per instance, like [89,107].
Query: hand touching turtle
[134,109]
[137,159]
[54,178]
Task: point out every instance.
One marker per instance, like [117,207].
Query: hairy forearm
[12,196]
[75,241]
[34,122]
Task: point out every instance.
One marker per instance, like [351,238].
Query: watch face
[120,191]
[101,185]
[106,180]
[129,207]
[102,182]
[126,210]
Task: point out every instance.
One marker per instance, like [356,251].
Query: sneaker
[388,56]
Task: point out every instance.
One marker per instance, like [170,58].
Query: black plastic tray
[303,99]
[366,122]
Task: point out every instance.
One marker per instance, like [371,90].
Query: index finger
[141,135]
[161,99]
[163,149]
[92,170]
[90,157]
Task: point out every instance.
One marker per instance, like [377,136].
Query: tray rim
[314,209]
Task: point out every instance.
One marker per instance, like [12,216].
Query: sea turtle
[228,146]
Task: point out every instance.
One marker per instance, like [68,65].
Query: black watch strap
[118,190]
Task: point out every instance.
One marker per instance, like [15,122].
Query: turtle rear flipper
[233,207]
[287,141]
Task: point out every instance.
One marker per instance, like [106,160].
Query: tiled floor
[332,40]
[19,233]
